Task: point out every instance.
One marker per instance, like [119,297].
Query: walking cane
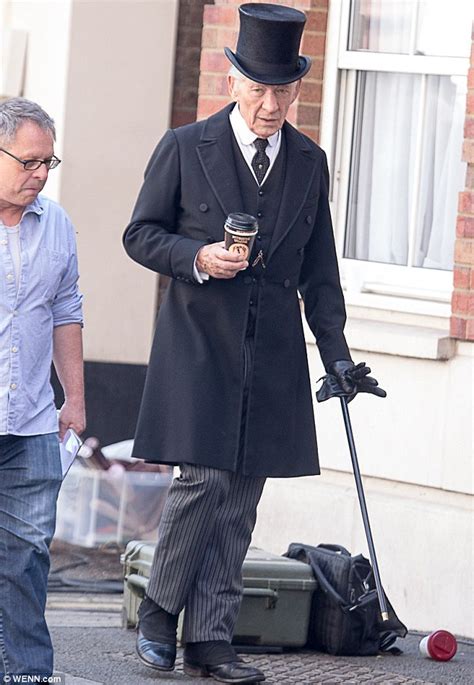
[331,388]
[363,508]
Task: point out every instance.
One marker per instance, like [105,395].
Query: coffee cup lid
[239,220]
[442,645]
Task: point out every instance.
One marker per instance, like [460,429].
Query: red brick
[317,69]
[183,117]
[316,20]
[313,44]
[465,226]
[457,327]
[469,329]
[464,252]
[470,102]
[213,84]
[466,203]
[470,177]
[227,38]
[462,302]
[469,128]
[468,151]
[214,61]
[308,115]
[220,15]
[311,92]
[462,277]
[208,105]
[209,37]
[470,78]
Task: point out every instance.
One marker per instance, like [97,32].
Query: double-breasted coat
[192,403]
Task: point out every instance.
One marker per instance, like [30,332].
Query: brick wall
[462,305]
[220,30]
[188,50]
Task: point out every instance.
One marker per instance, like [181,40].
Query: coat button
[309,219]
[259,214]
[247,280]
[259,237]
[301,251]
[203,207]
[286,283]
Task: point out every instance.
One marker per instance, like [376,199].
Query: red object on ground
[440,645]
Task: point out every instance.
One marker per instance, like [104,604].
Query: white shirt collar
[242,132]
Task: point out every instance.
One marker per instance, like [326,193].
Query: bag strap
[327,587]
[335,548]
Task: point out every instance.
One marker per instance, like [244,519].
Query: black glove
[346,379]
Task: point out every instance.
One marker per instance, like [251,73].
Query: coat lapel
[300,169]
[217,160]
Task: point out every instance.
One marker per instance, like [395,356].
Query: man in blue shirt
[40,321]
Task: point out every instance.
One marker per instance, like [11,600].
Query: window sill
[395,331]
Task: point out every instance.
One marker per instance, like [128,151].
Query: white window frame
[368,283]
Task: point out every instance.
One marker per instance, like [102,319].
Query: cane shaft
[363,508]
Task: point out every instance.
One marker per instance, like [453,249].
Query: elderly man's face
[264,108]
[18,187]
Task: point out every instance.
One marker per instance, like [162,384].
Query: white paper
[68,449]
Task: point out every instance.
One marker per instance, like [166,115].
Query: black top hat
[268,44]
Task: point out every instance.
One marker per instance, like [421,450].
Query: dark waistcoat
[262,202]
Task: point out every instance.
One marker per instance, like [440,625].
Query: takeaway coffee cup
[440,646]
[240,231]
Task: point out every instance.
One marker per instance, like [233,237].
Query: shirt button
[15,313]
[14,349]
[9,277]
[3,242]
[260,192]
[13,386]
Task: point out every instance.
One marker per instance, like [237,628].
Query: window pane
[420,27]
[444,29]
[442,171]
[399,127]
[382,25]
[382,166]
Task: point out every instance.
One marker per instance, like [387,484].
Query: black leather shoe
[230,672]
[158,655]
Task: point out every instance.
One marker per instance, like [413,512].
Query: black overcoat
[192,402]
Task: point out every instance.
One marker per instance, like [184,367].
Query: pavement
[92,647]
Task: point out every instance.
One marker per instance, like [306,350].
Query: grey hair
[233,71]
[17,111]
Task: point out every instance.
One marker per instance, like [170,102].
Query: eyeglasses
[33,164]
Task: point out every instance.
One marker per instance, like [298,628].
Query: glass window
[406,169]
[418,27]
[399,113]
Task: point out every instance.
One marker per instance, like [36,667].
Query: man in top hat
[227,395]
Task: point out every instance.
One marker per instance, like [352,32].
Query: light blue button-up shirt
[47,296]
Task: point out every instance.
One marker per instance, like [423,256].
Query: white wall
[415,455]
[118,102]
[104,71]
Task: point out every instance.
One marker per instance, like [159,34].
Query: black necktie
[260,161]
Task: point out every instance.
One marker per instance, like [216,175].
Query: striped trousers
[204,534]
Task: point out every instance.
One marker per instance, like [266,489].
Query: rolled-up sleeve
[67,305]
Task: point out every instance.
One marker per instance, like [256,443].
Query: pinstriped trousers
[203,537]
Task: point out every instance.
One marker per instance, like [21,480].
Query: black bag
[345,616]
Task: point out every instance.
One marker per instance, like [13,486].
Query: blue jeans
[30,478]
